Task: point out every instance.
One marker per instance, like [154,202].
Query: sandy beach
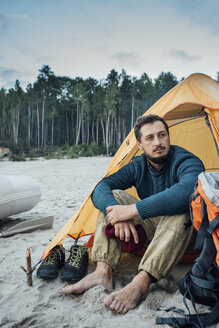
[64,185]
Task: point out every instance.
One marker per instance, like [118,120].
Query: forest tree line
[61,111]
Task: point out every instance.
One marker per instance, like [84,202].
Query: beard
[158,160]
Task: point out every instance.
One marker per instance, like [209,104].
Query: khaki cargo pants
[167,240]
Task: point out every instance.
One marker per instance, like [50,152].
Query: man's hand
[119,213]
[123,231]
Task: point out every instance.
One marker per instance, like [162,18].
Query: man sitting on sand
[164,177]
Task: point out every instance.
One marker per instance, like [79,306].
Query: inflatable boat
[18,193]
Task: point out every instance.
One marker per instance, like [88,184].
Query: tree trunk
[88,134]
[15,124]
[97,133]
[29,123]
[3,130]
[32,126]
[72,129]
[38,126]
[83,131]
[107,134]
[111,137]
[92,131]
[123,129]
[67,127]
[52,132]
[118,131]
[103,132]
[46,128]
[132,113]
[78,123]
[78,132]
[43,119]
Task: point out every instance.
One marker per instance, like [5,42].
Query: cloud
[101,48]
[200,12]
[183,55]
[6,21]
[7,73]
[45,59]
[9,76]
[27,51]
[126,58]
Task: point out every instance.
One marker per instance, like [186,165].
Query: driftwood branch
[29,270]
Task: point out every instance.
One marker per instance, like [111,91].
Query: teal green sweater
[166,192]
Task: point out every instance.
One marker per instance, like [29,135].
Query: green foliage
[60,117]
[164,83]
[95,149]
[17,157]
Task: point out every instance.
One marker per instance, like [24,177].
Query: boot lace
[50,259]
[76,254]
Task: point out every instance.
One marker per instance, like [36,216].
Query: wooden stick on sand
[29,270]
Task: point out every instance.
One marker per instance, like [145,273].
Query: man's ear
[139,144]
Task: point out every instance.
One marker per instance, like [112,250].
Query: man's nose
[156,140]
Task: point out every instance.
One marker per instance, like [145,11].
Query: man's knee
[118,194]
[123,197]
[179,224]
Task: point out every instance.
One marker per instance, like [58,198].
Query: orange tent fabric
[212,210]
[191,110]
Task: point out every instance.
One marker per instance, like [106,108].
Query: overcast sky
[91,37]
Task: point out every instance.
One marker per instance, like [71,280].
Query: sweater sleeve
[102,196]
[175,199]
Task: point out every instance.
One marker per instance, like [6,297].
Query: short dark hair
[142,120]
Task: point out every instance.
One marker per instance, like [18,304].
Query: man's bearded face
[155,142]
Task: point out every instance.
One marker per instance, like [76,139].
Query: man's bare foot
[101,276]
[128,297]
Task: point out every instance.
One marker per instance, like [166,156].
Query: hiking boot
[49,267]
[76,265]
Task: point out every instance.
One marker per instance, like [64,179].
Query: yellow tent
[191,110]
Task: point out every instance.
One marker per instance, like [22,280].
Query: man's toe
[118,306]
[108,300]
[113,304]
[121,308]
[125,309]
[68,289]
